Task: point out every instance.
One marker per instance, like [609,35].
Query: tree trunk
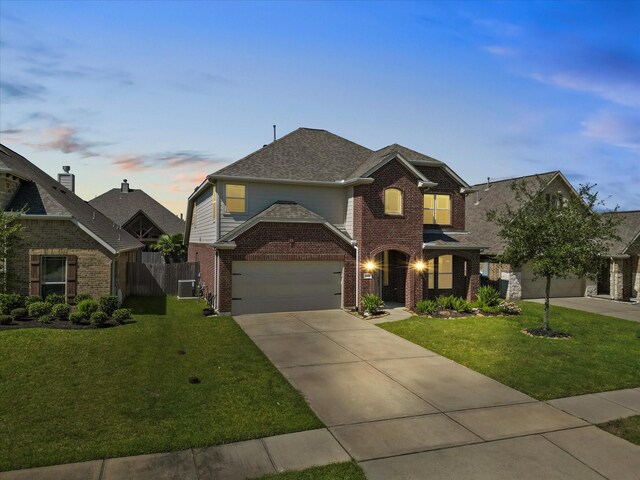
[547,293]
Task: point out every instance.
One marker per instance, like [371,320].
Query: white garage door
[560,287]
[261,287]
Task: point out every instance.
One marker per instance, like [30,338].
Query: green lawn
[336,471]
[68,396]
[627,428]
[604,353]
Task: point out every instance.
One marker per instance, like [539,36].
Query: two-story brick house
[314,221]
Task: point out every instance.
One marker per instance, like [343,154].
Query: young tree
[556,236]
[9,238]
[169,245]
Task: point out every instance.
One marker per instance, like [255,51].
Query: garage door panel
[261,287]
[532,287]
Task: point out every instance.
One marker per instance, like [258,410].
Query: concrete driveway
[623,310]
[403,411]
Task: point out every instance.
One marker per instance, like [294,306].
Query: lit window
[437,209]
[213,202]
[392,201]
[440,274]
[53,276]
[236,198]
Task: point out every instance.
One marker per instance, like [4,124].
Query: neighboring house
[314,221]
[66,246]
[516,282]
[620,276]
[137,213]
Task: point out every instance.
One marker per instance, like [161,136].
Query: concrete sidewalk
[611,308]
[403,411]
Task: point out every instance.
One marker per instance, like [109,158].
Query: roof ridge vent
[286,202]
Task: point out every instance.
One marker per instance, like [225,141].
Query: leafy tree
[556,236]
[170,245]
[9,239]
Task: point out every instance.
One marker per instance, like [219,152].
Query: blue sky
[162,93]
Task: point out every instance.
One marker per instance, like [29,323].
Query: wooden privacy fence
[159,279]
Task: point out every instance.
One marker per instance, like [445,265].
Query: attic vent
[286,202]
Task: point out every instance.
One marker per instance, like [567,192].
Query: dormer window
[236,198]
[437,209]
[392,201]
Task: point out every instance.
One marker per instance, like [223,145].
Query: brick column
[617,279]
[226,262]
[473,272]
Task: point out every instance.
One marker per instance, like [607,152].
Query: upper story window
[555,200]
[437,209]
[392,201]
[213,202]
[236,198]
[53,276]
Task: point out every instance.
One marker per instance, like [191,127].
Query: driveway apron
[403,411]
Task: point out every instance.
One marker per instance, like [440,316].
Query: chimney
[488,183]
[124,186]
[181,217]
[67,179]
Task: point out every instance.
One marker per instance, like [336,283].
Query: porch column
[473,272]
[617,279]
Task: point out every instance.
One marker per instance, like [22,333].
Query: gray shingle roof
[123,206]
[496,197]
[304,154]
[451,240]
[42,195]
[628,230]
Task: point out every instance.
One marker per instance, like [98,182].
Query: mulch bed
[56,324]
[454,314]
[369,317]
[541,332]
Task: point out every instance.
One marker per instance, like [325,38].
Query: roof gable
[628,231]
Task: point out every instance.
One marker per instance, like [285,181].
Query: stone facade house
[516,283]
[138,213]
[315,221]
[65,246]
[620,275]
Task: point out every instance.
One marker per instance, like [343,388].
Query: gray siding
[204,228]
[330,202]
[348,223]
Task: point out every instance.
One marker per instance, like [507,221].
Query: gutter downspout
[357,276]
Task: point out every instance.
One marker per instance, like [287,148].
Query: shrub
[61,311]
[81,297]
[99,318]
[109,304]
[5,319]
[19,313]
[426,307]
[77,317]
[44,318]
[487,309]
[459,304]
[445,302]
[121,315]
[509,308]
[9,301]
[55,299]
[88,307]
[37,309]
[31,299]
[371,303]
[488,296]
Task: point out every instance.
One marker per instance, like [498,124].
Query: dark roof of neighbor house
[39,194]
[304,154]
[122,206]
[628,231]
[495,197]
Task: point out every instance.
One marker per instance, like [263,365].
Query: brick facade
[466,274]
[62,237]
[288,242]
[206,255]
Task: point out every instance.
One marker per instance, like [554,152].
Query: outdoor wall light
[369,266]
[419,266]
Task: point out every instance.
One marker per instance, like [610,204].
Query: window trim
[399,214]
[43,259]
[227,197]
[435,208]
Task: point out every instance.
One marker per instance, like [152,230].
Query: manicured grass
[627,428]
[68,396]
[604,353]
[336,471]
